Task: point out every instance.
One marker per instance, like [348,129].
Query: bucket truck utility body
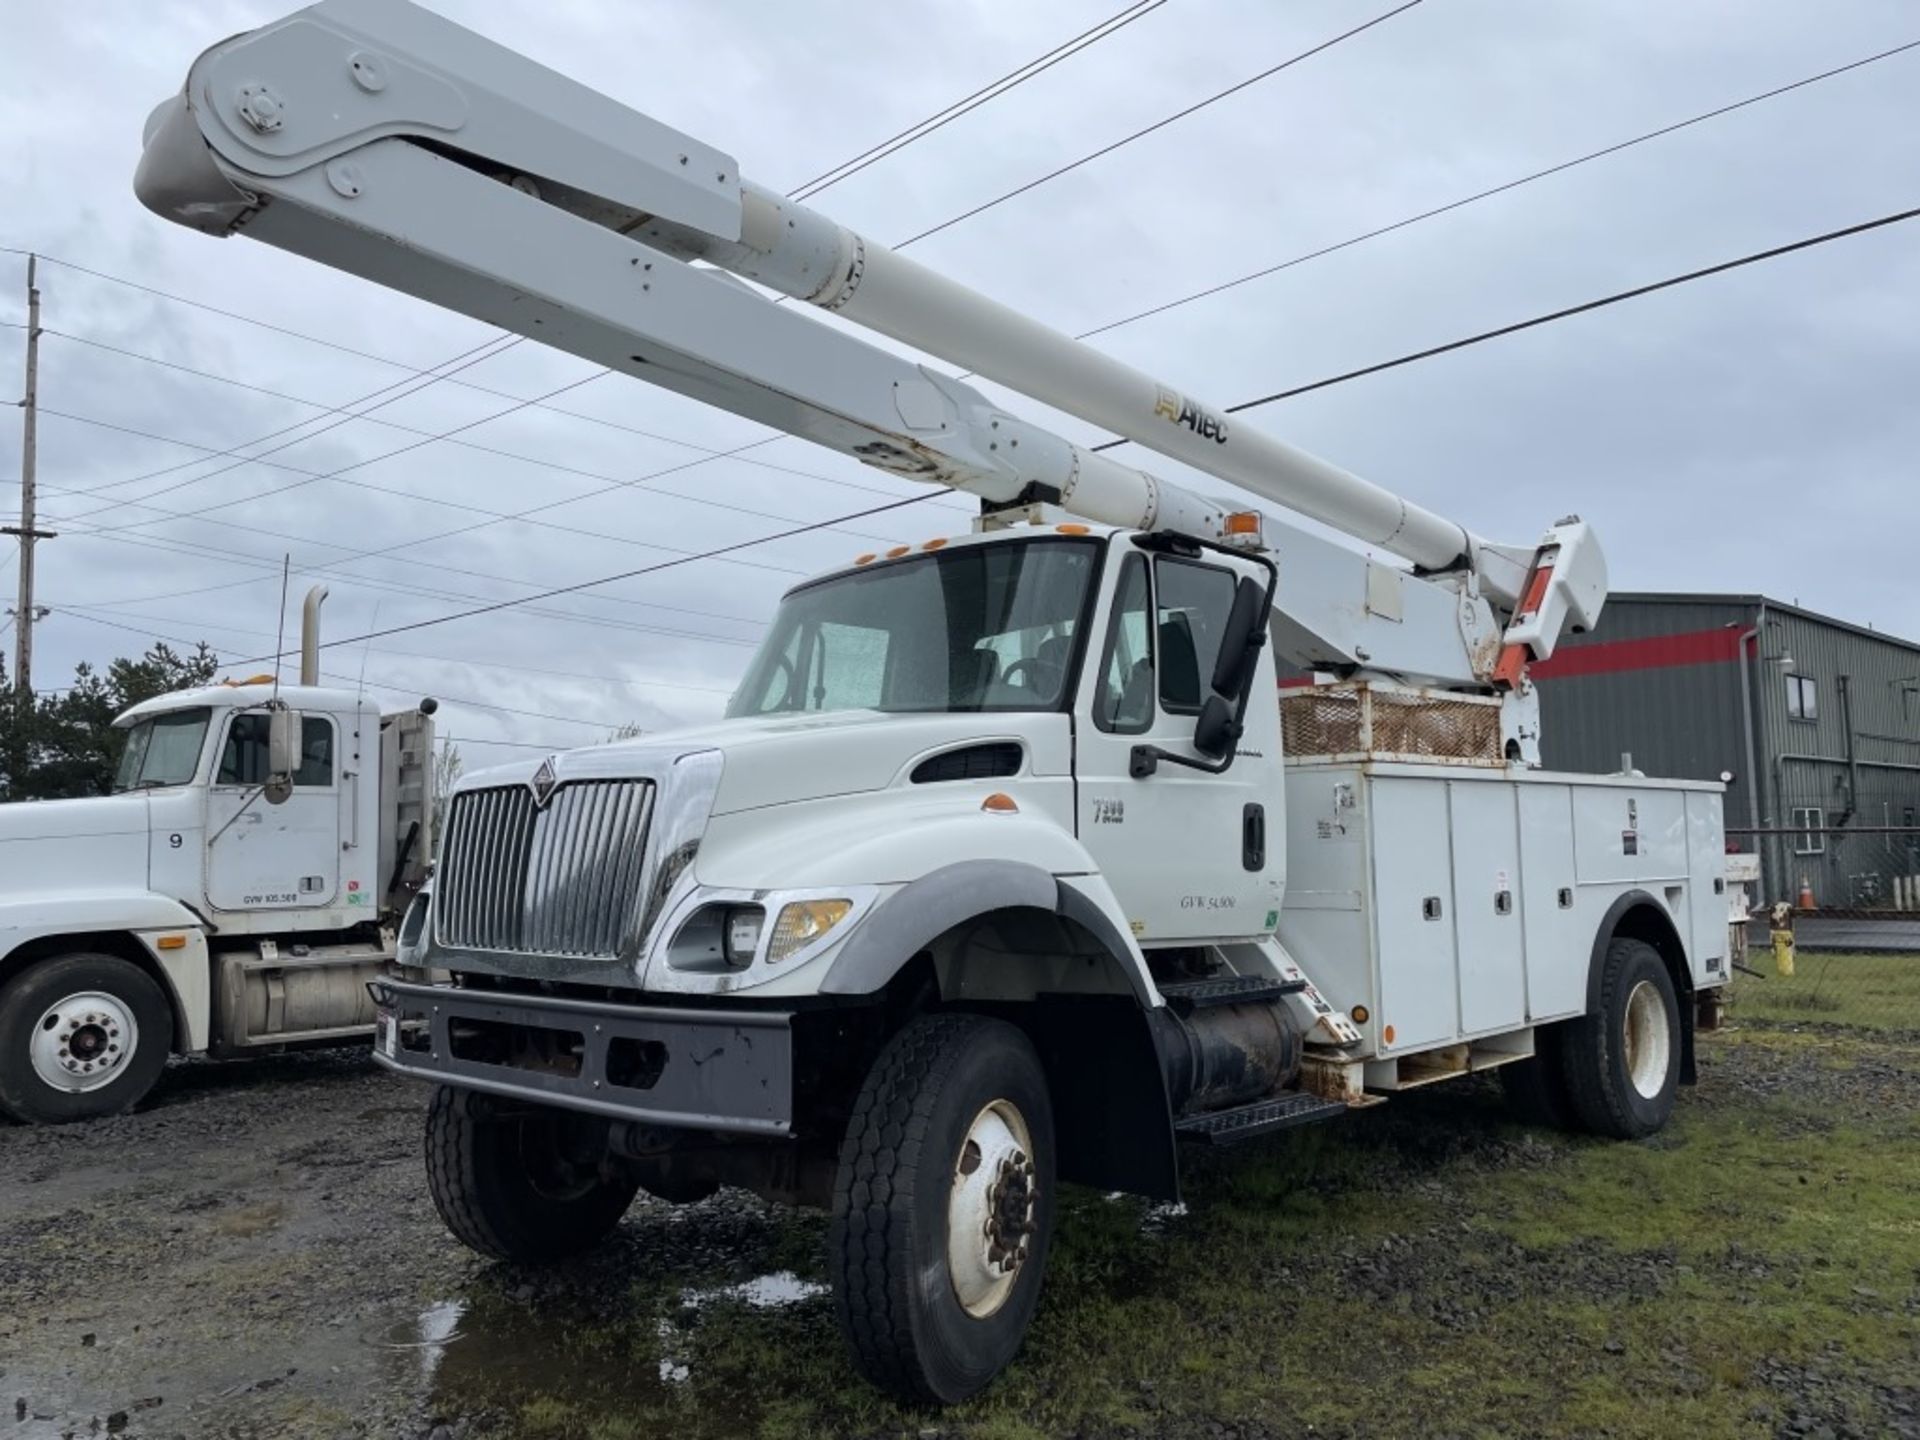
[1013,861]
[222,900]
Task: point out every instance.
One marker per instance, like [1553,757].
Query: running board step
[1187,995]
[1263,1117]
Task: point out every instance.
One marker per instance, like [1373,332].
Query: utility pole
[24,615]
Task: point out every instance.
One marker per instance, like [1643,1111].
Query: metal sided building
[1817,722]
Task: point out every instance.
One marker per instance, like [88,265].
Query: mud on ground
[254,1255]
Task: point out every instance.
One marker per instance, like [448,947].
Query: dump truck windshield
[980,627]
[162,750]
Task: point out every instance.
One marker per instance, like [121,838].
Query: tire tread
[869,1249]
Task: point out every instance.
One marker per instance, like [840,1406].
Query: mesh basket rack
[1362,721]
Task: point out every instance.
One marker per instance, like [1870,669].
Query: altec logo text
[1176,407]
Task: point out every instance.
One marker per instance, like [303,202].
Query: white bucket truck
[1005,868]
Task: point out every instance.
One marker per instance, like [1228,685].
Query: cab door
[1190,855]
[263,857]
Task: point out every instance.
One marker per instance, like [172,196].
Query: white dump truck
[1012,863]
[236,892]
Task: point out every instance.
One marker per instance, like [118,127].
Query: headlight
[802,923]
[742,933]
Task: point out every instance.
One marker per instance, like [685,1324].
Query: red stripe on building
[1656,652]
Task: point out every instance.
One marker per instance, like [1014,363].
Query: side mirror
[1240,640]
[283,753]
[1215,732]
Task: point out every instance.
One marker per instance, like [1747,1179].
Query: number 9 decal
[174,841]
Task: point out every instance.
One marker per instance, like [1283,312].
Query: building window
[1803,697]
[1808,824]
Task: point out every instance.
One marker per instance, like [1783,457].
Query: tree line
[62,743]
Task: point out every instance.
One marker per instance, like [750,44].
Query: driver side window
[1124,703]
[243,758]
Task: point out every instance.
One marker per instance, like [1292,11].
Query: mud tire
[503,1185]
[888,1257]
[1600,1061]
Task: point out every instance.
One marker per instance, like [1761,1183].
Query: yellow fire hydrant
[1782,933]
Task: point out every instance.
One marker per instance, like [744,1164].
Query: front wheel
[1622,1062]
[943,1207]
[80,1036]
[522,1184]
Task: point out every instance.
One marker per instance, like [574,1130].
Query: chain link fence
[1849,897]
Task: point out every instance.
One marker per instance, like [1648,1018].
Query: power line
[610,483]
[1581,309]
[647,682]
[623,575]
[1161,124]
[351,680]
[966,104]
[1493,190]
[271,569]
[371,418]
[328,475]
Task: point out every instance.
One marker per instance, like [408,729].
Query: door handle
[1253,837]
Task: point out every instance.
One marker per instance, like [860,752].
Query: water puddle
[501,1348]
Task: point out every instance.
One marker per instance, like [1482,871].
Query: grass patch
[1868,992]
[1425,1267]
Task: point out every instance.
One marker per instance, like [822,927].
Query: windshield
[984,627]
[162,750]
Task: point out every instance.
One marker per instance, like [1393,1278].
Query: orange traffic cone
[1805,902]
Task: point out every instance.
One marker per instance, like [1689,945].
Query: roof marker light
[1073,529]
[934,545]
[864,559]
[897,551]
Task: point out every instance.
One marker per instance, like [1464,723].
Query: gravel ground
[254,1255]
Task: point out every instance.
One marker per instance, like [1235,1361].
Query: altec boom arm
[380,139]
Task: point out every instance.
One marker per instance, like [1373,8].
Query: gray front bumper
[724,1070]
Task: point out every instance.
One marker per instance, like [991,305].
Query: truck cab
[208,904]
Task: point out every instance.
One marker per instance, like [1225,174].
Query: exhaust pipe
[310,635]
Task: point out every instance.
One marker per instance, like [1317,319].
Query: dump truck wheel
[1536,1089]
[943,1207]
[80,1036]
[523,1184]
[1622,1062]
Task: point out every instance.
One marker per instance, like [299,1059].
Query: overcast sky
[1752,432]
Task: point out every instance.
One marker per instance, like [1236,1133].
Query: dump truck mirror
[283,753]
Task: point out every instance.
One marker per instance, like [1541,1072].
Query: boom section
[380,139]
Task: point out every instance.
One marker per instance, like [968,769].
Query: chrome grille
[563,879]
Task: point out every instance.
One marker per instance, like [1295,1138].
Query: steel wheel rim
[82,1042]
[990,1208]
[1647,1042]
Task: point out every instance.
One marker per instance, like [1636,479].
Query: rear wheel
[1622,1062]
[943,1207]
[523,1184]
[81,1036]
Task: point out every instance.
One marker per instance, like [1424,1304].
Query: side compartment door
[273,857]
[1190,855]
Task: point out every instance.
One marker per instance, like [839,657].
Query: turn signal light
[999,804]
[1360,1014]
[802,923]
[171,942]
